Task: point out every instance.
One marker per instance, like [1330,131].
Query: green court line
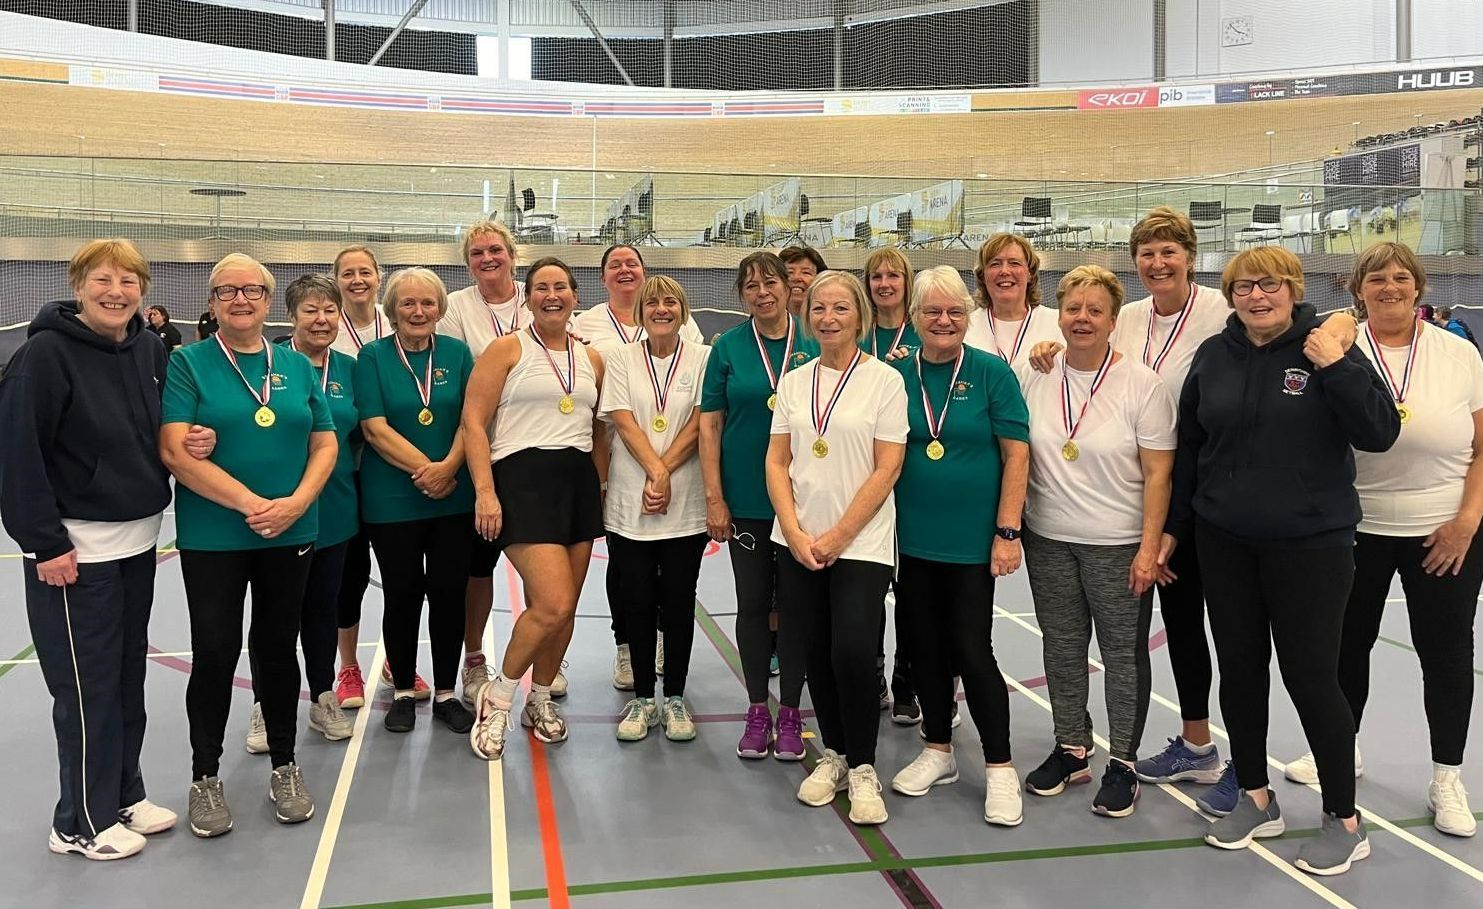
[23,655]
[1404,646]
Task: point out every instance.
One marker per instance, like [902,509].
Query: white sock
[442,696]
[1199,749]
[502,691]
[539,694]
[405,694]
[1439,769]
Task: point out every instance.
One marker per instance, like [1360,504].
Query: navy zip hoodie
[80,438]
[1265,438]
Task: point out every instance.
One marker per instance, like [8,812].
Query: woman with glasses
[1264,487]
[736,407]
[969,441]
[1009,320]
[247,517]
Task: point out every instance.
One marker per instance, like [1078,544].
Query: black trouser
[660,578]
[901,680]
[1441,610]
[1265,594]
[425,558]
[1182,605]
[91,639]
[354,579]
[216,585]
[318,635]
[619,591]
[949,610]
[754,568]
[835,609]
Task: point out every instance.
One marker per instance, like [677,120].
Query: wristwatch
[1008,533]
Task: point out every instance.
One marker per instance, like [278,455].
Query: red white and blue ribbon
[661,393]
[570,382]
[1174,332]
[936,421]
[267,393]
[1019,338]
[895,342]
[1073,425]
[638,330]
[355,335]
[499,330]
[1400,391]
[821,417]
[425,384]
[324,379]
[772,377]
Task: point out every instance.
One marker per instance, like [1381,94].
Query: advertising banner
[1117,98]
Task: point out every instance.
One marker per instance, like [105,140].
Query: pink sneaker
[350,688]
[757,739]
[420,689]
[789,744]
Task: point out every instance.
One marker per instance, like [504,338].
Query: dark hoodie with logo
[1266,439]
[79,430]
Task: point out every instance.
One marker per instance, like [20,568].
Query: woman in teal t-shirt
[740,390]
[246,516]
[417,502]
[969,443]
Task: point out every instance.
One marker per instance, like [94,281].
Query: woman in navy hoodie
[1264,488]
[82,490]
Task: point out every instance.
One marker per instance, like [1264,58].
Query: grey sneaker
[1334,849]
[326,717]
[545,720]
[291,801]
[1246,823]
[257,731]
[208,809]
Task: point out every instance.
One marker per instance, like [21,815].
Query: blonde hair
[857,292]
[942,279]
[1092,276]
[242,260]
[488,226]
[1264,260]
[357,249]
[992,247]
[97,253]
[895,258]
[657,288]
[1165,224]
[1384,255]
[398,278]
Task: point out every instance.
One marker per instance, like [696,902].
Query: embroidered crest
[1294,381]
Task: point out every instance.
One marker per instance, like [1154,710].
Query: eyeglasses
[954,315]
[1243,288]
[228,293]
[744,540]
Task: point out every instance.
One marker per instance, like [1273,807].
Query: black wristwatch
[1008,533]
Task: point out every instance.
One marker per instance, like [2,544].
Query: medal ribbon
[638,330]
[1097,380]
[895,342]
[1398,392]
[324,380]
[935,422]
[570,382]
[424,385]
[661,396]
[261,399]
[1174,332]
[499,330]
[1018,338]
[355,335]
[821,420]
[772,378]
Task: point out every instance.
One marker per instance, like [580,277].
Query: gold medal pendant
[660,423]
[265,416]
[821,448]
[425,417]
[1069,451]
[1405,413]
[772,402]
[566,404]
[935,451]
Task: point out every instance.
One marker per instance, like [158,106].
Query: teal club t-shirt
[339,504]
[385,388]
[947,509]
[202,387]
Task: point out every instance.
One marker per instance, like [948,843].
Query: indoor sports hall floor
[416,820]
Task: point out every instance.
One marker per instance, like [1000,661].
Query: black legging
[354,579]
[660,578]
[950,611]
[754,568]
[1182,605]
[836,609]
[1280,593]
[317,620]
[427,558]
[1441,610]
[901,677]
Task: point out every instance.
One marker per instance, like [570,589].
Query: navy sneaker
[1119,792]
[1220,800]
[1055,772]
[1178,764]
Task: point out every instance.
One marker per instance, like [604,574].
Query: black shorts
[483,557]
[548,496]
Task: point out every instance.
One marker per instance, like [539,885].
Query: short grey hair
[943,279]
[394,284]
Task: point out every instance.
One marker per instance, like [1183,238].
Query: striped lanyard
[935,421]
[895,341]
[1174,332]
[324,379]
[638,330]
[267,392]
[355,335]
[1073,425]
[1399,392]
[499,330]
[425,384]
[821,417]
[773,377]
[661,393]
[568,382]
[1019,338]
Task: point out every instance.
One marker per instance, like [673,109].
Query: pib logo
[1117,98]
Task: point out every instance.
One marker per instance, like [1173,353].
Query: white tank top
[529,414]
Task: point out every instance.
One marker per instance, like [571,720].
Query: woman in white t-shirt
[838,440]
[655,507]
[1421,502]
[1009,320]
[1101,457]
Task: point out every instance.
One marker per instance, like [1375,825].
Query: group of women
[850,440]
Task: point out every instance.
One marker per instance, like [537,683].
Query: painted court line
[499,845]
[1377,820]
[319,871]
[19,659]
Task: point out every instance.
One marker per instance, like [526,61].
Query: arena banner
[937,212]
[1342,84]
[780,209]
[1118,98]
[842,226]
[1186,95]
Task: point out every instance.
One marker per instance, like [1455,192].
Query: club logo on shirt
[440,376]
[335,390]
[960,390]
[800,358]
[280,381]
[1294,381]
[687,380]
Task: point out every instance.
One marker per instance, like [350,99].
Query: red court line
[541,778]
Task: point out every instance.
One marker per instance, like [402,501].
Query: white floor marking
[499,846]
[1404,835]
[184,654]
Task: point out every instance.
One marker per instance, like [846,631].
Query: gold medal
[821,448]
[1405,413]
[265,416]
[935,451]
[660,424]
[1069,451]
[425,417]
[772,402]
[566,404]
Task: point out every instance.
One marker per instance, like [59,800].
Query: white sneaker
[1448,800]
[559,684]
[659,653]
[545,720]
[679,725]
[474,678]
[145,817]
[328,719]
[866,804]
[1002,803]
[257,731]
[1305,770]
[116,842]
[931,768]
[491,724]
[623,669]
[830,775]
[639,716]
